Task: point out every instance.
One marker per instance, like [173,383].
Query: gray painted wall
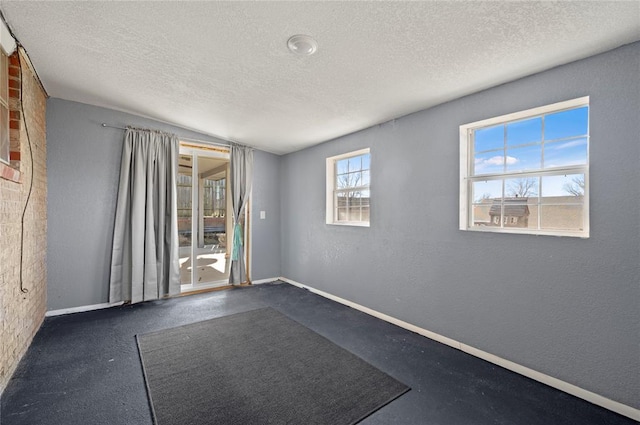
[563,306]
[83,167]
[265,233]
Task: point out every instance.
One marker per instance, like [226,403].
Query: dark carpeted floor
[84,368]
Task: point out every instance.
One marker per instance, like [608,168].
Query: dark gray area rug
[258,367]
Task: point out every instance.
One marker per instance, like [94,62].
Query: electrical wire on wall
[23,289]
[20,49]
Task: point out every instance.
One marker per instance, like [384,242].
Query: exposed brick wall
[22,313]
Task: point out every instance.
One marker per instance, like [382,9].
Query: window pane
[365,179]
[522,132]
[573,122]
[487,198]
[356,179]
[486,191]
[344,181]
[341,199]
[355,163]
[526,187]
[489,163]
[341,214]
[528,158]
[489,138]
[562,216]
[480,213]
[342,166]
[354,213]
[366,161]
[560,154]
[365,214]
[517,214]
[365,197]
[563,189]
[184,186]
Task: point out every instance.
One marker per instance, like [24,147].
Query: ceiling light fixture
[303,45]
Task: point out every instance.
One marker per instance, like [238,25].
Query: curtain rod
[186,139]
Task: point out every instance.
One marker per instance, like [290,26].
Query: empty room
[319,212]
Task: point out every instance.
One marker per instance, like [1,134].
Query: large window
[527,172]
[348,188]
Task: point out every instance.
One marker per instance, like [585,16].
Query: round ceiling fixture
[303,45]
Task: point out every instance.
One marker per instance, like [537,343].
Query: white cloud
[494,160]
[571,144]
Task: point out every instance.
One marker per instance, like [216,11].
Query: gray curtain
[241,178]
[144,261]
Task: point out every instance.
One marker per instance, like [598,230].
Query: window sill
[488,229]
[352,223]
[9,173]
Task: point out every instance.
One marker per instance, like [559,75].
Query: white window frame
[466,177]
[331,189]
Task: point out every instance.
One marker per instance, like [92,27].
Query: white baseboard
[589,396]
[81,309]
[259,281]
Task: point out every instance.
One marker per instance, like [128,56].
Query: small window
[531,166]
[4,109]
[348,188]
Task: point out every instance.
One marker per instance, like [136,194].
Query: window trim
[331,189]
[466,177]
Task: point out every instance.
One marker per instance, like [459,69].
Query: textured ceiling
[223,68]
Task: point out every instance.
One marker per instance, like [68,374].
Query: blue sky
[532,144]
[539,143]
[354,171]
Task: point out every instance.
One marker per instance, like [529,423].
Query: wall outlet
[263,215]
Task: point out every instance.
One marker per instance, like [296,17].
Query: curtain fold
[144,261]
[241,170]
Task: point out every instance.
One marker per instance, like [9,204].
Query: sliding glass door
[203,222]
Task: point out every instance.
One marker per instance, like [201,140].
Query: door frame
[196,150]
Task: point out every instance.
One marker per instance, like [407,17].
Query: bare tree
[349,180]
[576,187]
[484,197]
[523,188]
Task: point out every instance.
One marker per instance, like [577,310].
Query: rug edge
[146,382]
[200,321]
[395,397]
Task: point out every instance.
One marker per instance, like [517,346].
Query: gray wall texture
[83,167]
[265,233]
[566,307]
